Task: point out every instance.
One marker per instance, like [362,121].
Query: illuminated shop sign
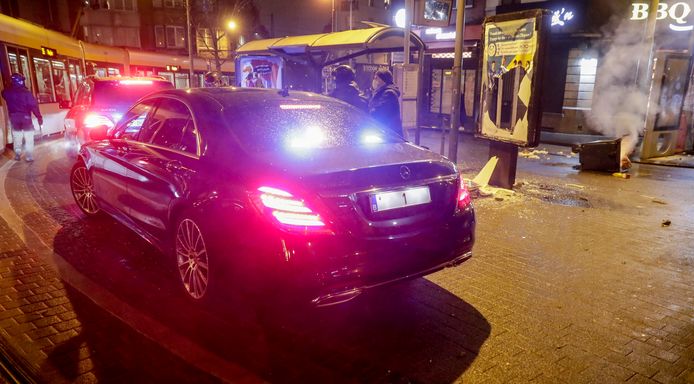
[440,34]
[676,13]
[450,55]
[561,16]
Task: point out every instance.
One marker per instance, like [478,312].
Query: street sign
[49,52]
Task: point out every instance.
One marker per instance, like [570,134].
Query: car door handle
[174,165]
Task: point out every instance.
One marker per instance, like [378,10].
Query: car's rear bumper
[331,269]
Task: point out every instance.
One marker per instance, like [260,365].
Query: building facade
[295,18]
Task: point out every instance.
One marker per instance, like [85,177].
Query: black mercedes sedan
[264,191]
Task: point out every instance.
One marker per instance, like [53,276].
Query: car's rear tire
[192,251]
[82,188]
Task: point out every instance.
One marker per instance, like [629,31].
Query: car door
[111,168]
[164,161]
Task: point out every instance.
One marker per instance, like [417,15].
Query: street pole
[455,95]
[409,10]
[332,17]
[646,67]
[190,45]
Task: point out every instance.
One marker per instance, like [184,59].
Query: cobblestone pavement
[576,278]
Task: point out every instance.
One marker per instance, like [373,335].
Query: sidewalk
[472,151]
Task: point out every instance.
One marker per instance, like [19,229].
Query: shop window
[174,3]
[175,37]
[160,36]
[127,36]
[204,39]
[44,81]
[346,4]
[580,80]
[123,5]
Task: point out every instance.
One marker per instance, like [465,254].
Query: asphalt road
[574,278]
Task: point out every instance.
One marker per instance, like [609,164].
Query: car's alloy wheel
[191,258]
[83,190]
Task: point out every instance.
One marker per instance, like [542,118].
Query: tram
[54,64]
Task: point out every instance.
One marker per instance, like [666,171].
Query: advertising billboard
[512,60]
[260,72]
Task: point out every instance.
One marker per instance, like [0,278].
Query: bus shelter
[305,63]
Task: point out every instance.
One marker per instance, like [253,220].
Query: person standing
[20,105]
[384,105]
[346,88]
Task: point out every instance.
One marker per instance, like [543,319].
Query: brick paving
[574,280]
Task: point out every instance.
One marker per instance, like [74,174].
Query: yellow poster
[508,65]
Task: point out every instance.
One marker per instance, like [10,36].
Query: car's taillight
[290,212]
[93,120]
[464,198]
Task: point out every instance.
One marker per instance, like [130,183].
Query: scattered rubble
[665,223]
[658,201]
[534,154]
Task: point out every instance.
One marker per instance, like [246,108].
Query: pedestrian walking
[20,105]
[384,105]
[346,88]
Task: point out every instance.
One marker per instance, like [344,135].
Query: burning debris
[534,154]
[619,105]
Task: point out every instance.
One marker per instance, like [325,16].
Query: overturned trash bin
[601,155]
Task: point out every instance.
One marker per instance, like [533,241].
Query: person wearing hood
[384,105]
[20,105]
[346,88]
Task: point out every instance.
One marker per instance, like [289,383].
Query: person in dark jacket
[346,88]
[20,105]
[384,105]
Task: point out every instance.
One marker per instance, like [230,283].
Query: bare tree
[210,19]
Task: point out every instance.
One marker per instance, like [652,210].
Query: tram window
[44,82]
[113,71]
[75,76]
[181,80]
[60,80]
[168,76]
[19,63]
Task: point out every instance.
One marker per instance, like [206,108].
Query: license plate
[399,199]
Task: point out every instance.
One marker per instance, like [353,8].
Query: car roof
[231,96]
[121,78]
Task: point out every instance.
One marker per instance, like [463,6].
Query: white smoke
[619,107]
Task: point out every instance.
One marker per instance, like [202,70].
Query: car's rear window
[121,94]
[296,125]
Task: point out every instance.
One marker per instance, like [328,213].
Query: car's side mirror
[98,133]
[64,104]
